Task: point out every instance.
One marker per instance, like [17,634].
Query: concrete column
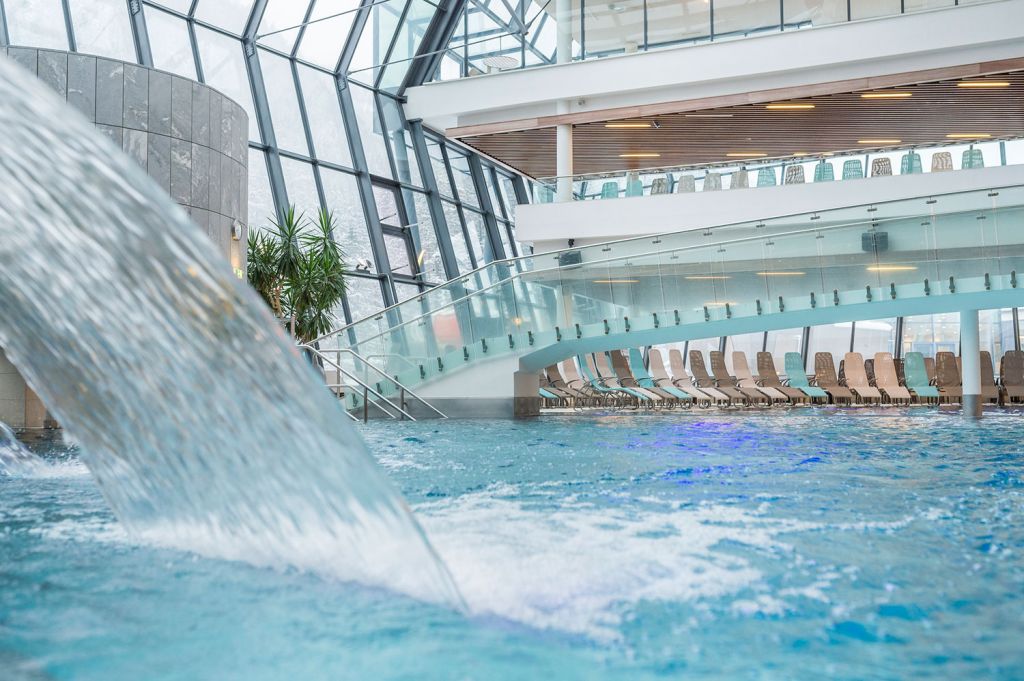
[970,347]
[563,133]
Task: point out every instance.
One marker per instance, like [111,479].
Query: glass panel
[496,205]
[401,142]
[451,215]
[807,13]
[387,207]
[463,178]
[375,41]
[414,26]
[919,5]
[781,342]
[224,68]
[182,6]
[671,21]
[301,187]
[929,334]
[875,335]
[38,23]
[503,231]
[428,254]
[261,201]
[284,103]
[230,15]
[705,345]
[323,111]
[831,338]
[103,28]
[342,196]
[749,344]
[440,169]
[323,41]
[996,332]
[479,241]
[865,9]
[398,255]
[370,132]
[364,297]
[615,27]
[738,18]
[170,43]
[1014,151]
[282,14]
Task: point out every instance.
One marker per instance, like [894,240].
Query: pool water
[808,544]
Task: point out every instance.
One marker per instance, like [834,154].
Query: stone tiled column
[191,139]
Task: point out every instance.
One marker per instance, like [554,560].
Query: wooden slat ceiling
[836,124]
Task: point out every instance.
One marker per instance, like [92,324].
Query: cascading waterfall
[15,459]
[198,418]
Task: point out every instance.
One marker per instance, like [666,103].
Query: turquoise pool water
[810,544]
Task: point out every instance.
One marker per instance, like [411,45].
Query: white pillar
[563,133]
[970,358]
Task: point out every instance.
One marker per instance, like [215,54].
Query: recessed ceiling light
[640,154]
[707,277]
[891,268]
[782,274]
[746,154]
[627,125]
[715,115]
[967,135]
[886,95]
[983,83]
[788,107]
[879,141]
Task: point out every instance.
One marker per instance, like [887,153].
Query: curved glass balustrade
[666,287]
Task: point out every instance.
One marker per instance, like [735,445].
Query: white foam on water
[577,567]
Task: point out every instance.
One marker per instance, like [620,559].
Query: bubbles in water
[197,417]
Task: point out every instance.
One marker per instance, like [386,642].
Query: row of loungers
[622,379]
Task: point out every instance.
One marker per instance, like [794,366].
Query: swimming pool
[814,543]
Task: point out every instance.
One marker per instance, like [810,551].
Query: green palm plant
[299,270]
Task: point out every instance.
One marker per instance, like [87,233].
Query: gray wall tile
[200,114]
[200,176]
[53,70]
[136,145]
[159,103]
[115,134]
[25,56]
[136,97]
[159,161]
[181,170]
[215,125]
[181,108]
[109,92]
[82,84]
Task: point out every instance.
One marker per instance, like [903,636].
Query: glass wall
[326,125]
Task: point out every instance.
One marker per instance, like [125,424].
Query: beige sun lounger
[557,382]
[947,377]
[680,377]
[612,380]
[660,376]
[768,377]
[705,382]
[744,379]
[886,380]
[857,377]
[1011,374]
[628,381]
[722,377]
[826,379]
[989,389]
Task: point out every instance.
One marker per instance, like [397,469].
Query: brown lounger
[628,381]
[1011,375]
[768,377]
[947,377]
[599,366]
[857,378]
[557,382]
[886,380]
[744,379]
[722,378]
[929,369]
[825,378]
[681,378]
[661,379]
[706,383]
[989,389]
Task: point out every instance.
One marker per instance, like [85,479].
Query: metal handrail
[366,388]
[398,384]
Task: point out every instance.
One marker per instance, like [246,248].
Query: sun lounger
[825,378]
[797,377]
[989,390]
[768,377]
[915,376]
[1011,375]
[721,375]
[947,377]
[646,381]
[857,378]
[596,384]
[680,378]
[886,379]
[610,380]
[929,369]
[661,378]
[706,382]
[744,379]
[626,379]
